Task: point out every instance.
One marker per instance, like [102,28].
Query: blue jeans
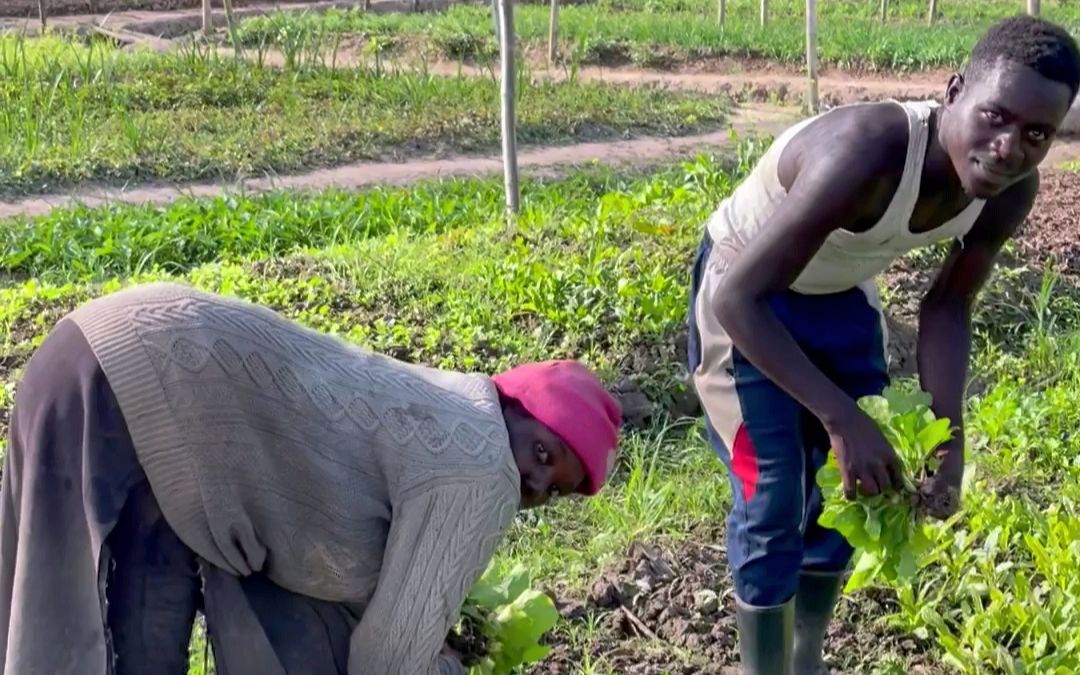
[771,445]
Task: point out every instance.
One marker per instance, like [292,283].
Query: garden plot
[596,268]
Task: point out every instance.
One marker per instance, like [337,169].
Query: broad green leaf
[901,401]
[863,574]
[873,523]
[908,567]
[934,434]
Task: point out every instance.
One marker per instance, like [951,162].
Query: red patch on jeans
[744,462]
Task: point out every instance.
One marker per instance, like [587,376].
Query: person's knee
[766,545]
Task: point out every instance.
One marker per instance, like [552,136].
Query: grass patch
[657,34]
[70,113]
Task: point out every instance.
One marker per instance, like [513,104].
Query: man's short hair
[1029,41]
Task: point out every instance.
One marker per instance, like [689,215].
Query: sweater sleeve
[440,542]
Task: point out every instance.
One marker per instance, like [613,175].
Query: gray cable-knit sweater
[343,475]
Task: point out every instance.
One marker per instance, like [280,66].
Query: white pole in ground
[553,32]
[811,56]
[884,11]
[764,12]
[931,15]
[43,15]
[509,140]
[207,18]
[1033,7]
[721,11]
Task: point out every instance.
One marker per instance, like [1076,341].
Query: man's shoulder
[868,138]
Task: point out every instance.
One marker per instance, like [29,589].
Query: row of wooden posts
[504,25]
[883,13]
[503,20]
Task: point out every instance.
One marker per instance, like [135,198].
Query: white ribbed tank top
[846,260]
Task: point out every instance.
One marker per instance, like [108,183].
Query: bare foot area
[640,152]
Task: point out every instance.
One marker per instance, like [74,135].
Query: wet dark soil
[669,609]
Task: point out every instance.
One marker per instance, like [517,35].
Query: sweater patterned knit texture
[341,474]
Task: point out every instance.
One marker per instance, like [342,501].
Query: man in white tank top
[785,326]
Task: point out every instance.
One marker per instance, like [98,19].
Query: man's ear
[954,89]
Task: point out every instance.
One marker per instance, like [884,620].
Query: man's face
[999,126]
[547,466]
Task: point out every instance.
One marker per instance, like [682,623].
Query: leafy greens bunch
[506,619]
[891,538]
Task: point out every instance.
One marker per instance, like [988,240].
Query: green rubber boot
[814,604]
[766,636]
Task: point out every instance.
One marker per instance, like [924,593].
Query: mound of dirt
[1051,234]
[670,610]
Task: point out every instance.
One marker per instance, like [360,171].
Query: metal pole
[764,13]
[931,15]
[509,140]
[207,18]
[721,11]
[884,11]
[1033,7]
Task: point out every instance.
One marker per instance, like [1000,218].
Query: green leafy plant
[892,539]
[504,619]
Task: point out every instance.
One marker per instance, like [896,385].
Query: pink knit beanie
[570,400]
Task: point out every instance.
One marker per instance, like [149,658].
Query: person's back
[787,333]
[273,448]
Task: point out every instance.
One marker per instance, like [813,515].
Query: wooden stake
[721,11]
[811,57]
[764,13]
[509,74]
[553,32]
[233,35]
[931,15]
[207,18]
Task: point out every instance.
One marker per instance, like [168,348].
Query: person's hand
[868,464]
[940,494]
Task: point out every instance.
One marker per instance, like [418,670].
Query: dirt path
[171,23]
[759,86]
[643,151]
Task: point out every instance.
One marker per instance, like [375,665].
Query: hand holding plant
[888,530]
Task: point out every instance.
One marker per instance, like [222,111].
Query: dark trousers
[775,445]
[93,579]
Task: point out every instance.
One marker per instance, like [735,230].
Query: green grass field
[596,268]
[658,33]
[71,113]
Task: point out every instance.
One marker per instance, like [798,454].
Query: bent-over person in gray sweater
[327,509]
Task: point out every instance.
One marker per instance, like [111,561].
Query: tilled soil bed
[1049,239]
[668,609]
